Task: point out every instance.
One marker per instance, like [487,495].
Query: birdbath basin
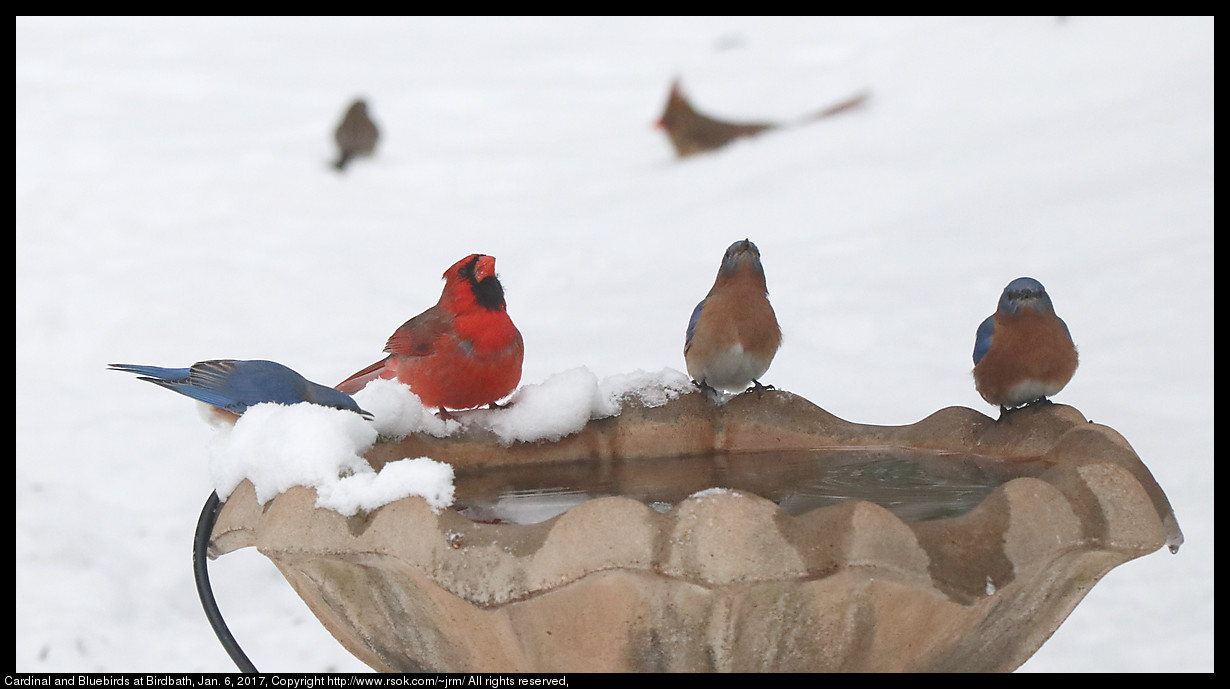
[763,534]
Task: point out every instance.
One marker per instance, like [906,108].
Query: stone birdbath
[763,534]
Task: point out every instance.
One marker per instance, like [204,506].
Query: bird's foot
[708,390]
[1005,411]
[446,415]
[759,388]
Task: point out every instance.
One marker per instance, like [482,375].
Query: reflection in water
[916,485]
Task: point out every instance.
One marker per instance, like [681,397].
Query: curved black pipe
[200,567]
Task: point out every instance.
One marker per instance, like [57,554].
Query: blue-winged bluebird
[1023,352]
[231,386]
[733,334]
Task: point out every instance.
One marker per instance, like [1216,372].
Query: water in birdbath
[914,484]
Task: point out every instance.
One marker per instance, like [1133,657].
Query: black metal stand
[200,566]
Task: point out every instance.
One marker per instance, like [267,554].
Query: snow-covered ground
[175,203]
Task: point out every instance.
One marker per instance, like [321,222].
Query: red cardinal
[463,352]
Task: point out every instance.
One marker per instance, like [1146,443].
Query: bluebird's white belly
[732,370]
[1030,390]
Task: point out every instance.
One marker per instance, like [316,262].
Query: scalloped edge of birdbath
[725,581]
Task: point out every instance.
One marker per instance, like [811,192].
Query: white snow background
[175,203]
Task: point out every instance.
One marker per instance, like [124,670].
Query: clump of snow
[649,389]
[367,490]
[277,446]
[550,410]
[559,406]
[399,412]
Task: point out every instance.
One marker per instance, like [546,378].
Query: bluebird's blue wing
[236,385]
[157,372]
[982,341]
[180,380]
[247,383]
[692,324]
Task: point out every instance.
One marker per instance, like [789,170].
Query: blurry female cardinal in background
[463,352]
[693,132]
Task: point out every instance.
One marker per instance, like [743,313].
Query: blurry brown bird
[692,132]
[356,135]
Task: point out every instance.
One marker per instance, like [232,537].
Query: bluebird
[1023,352]
[733,334]
[231,386]
[356,135]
